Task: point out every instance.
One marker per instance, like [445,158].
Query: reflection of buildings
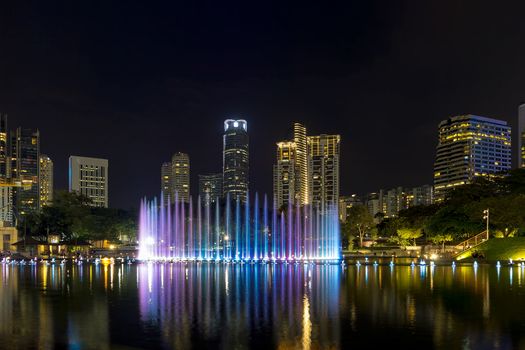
[298,305]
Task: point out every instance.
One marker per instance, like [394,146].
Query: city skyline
[369,79]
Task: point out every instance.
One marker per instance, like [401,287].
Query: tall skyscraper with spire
[235,159]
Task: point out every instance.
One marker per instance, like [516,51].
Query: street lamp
[486,216]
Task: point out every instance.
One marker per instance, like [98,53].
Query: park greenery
[456,218]
[72,217]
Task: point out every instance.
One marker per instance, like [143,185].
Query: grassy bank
[498,249]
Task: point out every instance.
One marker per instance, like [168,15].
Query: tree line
[457,217]
[71,216]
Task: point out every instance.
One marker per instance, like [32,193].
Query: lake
[234,306]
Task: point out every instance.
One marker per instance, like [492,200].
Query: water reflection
[261,306]
[293,306]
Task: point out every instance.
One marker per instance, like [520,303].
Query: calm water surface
[261,306]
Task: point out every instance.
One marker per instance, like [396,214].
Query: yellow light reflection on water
[307,324]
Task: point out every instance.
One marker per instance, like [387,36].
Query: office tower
[89,177]
[285,174]
[210,187]
[235,159]
[301,148]
[166,182]
[521,136]
[180,176]
[6,193]
[345,203]
[470,146]
[422,195]
[25,167]
[4,161]
[46,180]
[323,152]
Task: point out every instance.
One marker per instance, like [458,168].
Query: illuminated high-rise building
[470,146]
[180,176]
[285,174]
[521,136]
[25,167]
[235,159]
[89,177]
[46,180]
[166,182]
[323,162]
[301,149]
[210,187]
[6,193]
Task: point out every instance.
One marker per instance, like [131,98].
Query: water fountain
[233,232]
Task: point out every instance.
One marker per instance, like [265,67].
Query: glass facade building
[25,167]
[235,159]
[470,146]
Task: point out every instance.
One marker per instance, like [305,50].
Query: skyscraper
[470,146]
[25,166]
[4,161]
[285,174]
[301,149]
[89,177]
[180,176]
[521,136]
[166,182]
[46,180]
[210,187]
[235,159]
[324,152]
[6,193]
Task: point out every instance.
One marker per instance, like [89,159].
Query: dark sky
[137,81]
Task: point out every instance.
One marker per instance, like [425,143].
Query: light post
[486,216]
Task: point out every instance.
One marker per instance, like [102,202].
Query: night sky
[137,81]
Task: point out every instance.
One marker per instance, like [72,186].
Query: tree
[410,234]
[441,239]
[360,221]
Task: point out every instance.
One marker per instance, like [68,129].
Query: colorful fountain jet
[232,231]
